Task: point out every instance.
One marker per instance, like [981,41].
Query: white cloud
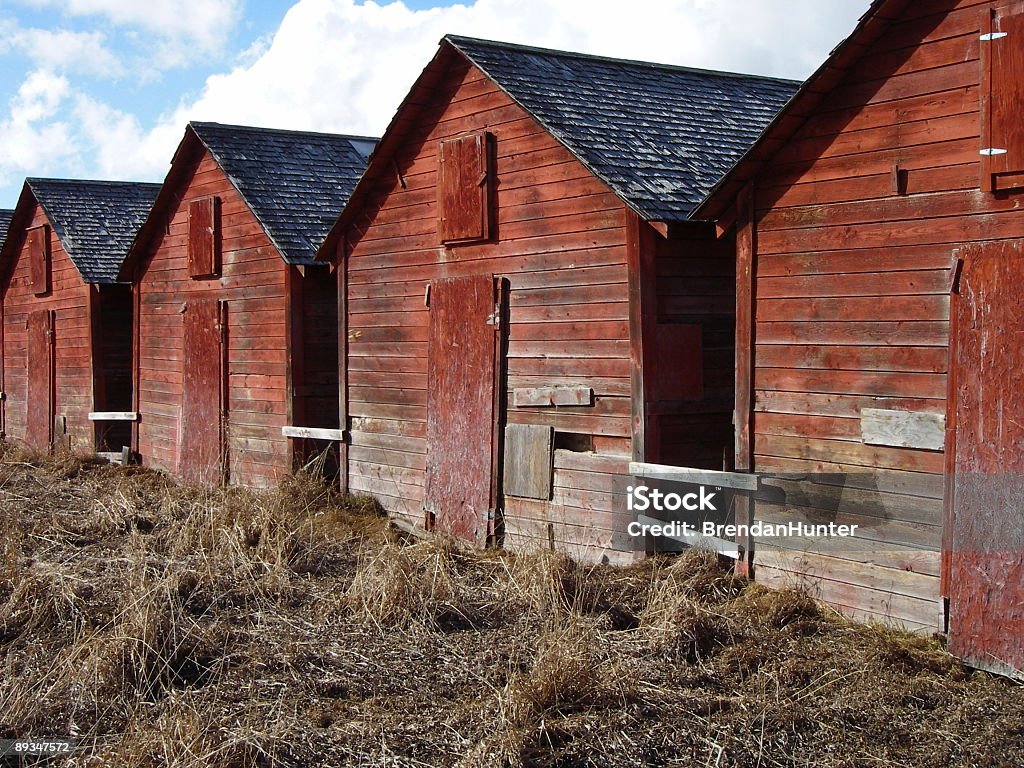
[36,137]
[175,30]
[64,50]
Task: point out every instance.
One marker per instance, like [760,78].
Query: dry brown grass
[175,626]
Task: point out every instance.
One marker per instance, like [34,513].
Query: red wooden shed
[66,373]
[236,328]
[518,268]
[880,267]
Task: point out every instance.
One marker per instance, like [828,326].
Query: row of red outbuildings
[555,272]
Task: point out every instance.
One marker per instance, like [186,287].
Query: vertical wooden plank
[136,372]
[985,98]
[40,395]
[499,323]
[294,366]
[640,264]
[745,297]
[461,440]
[949,447]
[745,248]
[97,372]
[200,456]
[341,265]
[3,369]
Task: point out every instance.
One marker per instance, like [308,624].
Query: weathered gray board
[552,396]
[903,429]
[528,461]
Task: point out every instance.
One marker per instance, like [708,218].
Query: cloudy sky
[103,88]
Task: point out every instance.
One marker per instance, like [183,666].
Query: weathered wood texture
[852,277]
[202,457]
[559,237]
[462,386]
[67,298]
[987,561]
[529,451]
[253,284]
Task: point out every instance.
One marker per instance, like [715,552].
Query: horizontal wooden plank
[113,416]
[552,396]
[903,429]
[738,480]
[313,433]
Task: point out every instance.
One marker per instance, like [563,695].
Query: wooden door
[41,387]
[202,455]
[986,588]
[463,406]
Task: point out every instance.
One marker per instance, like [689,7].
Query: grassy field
[174,626]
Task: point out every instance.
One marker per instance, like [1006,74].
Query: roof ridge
[455,39]
[289,131]
[95,182]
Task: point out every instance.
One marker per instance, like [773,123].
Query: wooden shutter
[204,238]
[39,259]
[464,188]
[1002,57]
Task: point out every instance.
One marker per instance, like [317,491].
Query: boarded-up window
[204,237]
[39,259]
[464,188]
[1002,57]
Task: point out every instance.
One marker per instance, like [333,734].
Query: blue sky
[103,88]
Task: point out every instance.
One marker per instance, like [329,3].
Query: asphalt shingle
[5,223]
[659,136]
[295,182]
[96,221]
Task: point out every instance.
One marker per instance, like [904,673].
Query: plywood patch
[528,459]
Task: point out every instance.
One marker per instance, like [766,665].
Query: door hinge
[990,36]
[992,151]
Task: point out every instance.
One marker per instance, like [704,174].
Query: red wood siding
[560,240]
[852,294]
[252,282]
[68,298]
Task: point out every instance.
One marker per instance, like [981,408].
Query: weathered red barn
[66,318]
[519,272]
[236,328]
[880,267]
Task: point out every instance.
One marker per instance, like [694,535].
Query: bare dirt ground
[173,626]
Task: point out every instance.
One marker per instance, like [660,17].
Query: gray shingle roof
[659,136]
[96,221]
[296,183]
[5,222]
